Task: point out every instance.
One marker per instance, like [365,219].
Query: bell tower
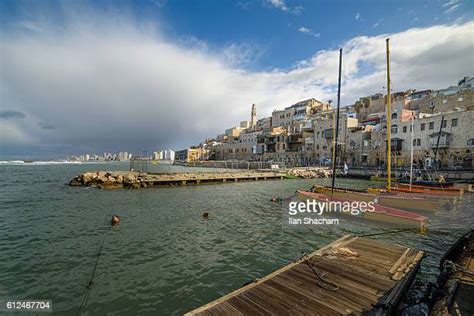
[253,116]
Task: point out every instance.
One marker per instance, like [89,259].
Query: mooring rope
[331,287]
[83,305]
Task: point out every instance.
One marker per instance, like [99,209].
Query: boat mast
[411,151]
[389,116]
[337,123]
[439,135]
[437,145]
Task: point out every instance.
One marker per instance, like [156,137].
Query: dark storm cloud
[45,125]
[11,114]
[123,87]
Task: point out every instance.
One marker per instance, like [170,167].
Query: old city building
[303,133]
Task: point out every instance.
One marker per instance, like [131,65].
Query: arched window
[394,116]
[352,144]
[470,142]
[394,129]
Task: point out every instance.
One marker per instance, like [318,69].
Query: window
[404,129]
[444,123]
[470,142]
[454,122]
[422,126]
[418,142]
[431,125]
[414,142]
[394,116]
[394,129]
[411,128]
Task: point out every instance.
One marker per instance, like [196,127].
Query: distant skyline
[97,76]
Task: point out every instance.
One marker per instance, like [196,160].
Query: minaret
[253,117]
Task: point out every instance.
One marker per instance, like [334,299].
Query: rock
[129,177]
[76,182]
[310,173]
[135,185]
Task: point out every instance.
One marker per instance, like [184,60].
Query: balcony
[295,138]
[396,144]
[308,126]
[328,133]
[444,140]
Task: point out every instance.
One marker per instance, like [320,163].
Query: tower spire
[253,116]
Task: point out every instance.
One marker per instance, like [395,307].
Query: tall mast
[337,123]
[389,116]
[411,151]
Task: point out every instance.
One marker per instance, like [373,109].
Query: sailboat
[385,213]
[425,190]
[383,197]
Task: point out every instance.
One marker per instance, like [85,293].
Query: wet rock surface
[310,173]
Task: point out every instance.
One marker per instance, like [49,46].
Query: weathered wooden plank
[349,276]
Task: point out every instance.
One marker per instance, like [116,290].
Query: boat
[395,201]
[433,188]
[427,183]
[456,279]
[380,213]
[428,190]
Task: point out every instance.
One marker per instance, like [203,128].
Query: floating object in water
[115,220]
[205,215]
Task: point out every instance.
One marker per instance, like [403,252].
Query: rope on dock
[331,287]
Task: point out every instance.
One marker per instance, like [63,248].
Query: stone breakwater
[135,180]
[110,180]
[310,173]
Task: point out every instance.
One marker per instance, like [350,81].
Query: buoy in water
[205,215]
[115,220]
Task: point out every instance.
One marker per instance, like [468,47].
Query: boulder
[76,182]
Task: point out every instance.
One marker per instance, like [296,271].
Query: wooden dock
[352,275]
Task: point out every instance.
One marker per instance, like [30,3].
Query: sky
[105,76]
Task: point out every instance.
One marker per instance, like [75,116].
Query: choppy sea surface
[164,258]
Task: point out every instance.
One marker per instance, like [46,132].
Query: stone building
[187,155]
[324,133]
[297,111]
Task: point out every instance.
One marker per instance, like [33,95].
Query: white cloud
[376,24]
[357,16]
[450,3]
[110,87]
[308,31]
[451,9]
[281,5]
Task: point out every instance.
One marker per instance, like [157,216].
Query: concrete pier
[135,180]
